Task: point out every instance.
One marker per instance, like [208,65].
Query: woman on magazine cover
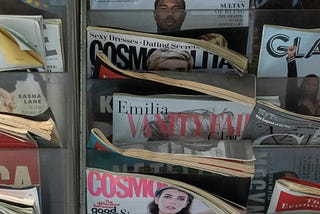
[215,38]
[170,200]
[7,103]
[301,99]
[7,88]
[170,59]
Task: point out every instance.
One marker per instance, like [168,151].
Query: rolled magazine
[224,164]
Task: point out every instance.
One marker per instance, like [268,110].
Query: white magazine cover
[149,4]
[110,192]
[52,31]
[273,51]
[158,118]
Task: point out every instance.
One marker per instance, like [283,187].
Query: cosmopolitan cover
[137,193]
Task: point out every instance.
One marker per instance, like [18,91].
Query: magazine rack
[58,166]
[249,25]
[131,20]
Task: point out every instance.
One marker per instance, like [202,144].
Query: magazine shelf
[58,190]
[243,30]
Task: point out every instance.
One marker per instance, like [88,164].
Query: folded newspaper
[225,160]
[229,86]
[132,50]
[112,192]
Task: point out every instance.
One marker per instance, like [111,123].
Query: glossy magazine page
[288,52]
[221,165]
[214,183]
[176,117]
[136,193]
[140,51]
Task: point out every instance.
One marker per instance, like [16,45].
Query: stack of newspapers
[15,200]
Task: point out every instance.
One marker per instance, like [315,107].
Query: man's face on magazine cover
[169,14]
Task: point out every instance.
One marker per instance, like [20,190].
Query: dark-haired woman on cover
[170,200]
[301,99]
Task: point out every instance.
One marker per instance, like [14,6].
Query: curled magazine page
[220,165]
[138,193]
[229,86]
[26,33]
[12,57]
